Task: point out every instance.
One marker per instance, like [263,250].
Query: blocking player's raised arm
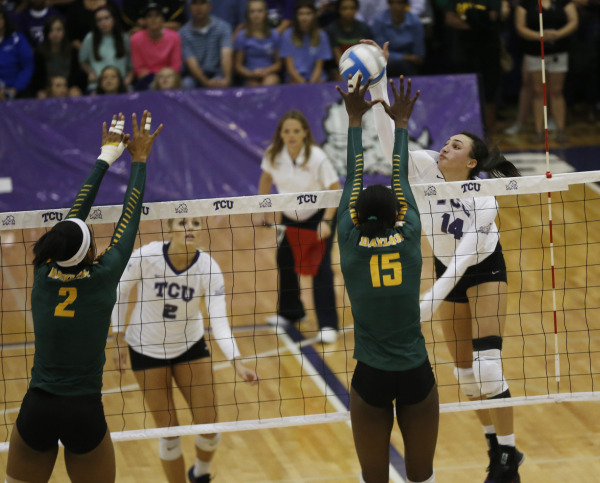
[123,239]
[113,144]
[356,106]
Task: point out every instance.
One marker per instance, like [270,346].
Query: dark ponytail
[52,245]
[377,209]
[491,161]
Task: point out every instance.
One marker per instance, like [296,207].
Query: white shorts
[555,63]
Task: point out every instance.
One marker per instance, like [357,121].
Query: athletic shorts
[139,362]
[554,63]
[380,388]
[492,269]
[77,421]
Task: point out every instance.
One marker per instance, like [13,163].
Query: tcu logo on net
[306,199]
[52,215]
[470,187]
[225,204]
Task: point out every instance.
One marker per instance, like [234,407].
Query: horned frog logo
[336,129]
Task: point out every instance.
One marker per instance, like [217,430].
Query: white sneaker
[327,335]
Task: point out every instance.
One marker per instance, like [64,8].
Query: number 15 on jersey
[386,270]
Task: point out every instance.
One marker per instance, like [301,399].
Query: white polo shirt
[315,174]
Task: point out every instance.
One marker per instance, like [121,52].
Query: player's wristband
[110,152]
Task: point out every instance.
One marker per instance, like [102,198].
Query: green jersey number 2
[61,309]
[387,262]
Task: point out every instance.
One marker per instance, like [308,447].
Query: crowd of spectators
[111,46]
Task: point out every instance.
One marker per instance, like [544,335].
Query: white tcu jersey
[461,227]
[166,320]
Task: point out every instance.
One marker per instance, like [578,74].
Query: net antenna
[549,175]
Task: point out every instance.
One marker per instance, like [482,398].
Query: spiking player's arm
[464,256]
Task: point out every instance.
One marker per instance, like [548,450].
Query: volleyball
[364,59]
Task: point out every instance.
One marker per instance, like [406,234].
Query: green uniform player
[72,299]
[383,273]
[379,235]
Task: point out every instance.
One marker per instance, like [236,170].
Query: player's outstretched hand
[247,374]
[140,144]
[113,140]
[403,104]
[356,104]
[385,50]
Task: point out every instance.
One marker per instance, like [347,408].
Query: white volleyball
[364,59]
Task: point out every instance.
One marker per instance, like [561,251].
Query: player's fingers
[134,124]
[156,133]
[394,90]
[367,84]
[338,88]
[408,88]
[113,124]
[414,99]
[147,121]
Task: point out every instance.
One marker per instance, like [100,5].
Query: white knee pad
[208,444]
[487,370]
[169,449]
[467,382]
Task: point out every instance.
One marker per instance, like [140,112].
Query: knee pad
[208,444]
[466,381]
[487,370]
[169,449]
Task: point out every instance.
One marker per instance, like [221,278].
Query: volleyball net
[305,382]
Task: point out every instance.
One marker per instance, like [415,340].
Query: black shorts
[492,269]
[140,362]
[379,388]
[77,421]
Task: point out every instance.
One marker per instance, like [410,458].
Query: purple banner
[212,142]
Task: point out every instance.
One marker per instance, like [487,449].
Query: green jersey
[72,306]
[383,274]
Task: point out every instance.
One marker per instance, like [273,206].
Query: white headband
[85,245]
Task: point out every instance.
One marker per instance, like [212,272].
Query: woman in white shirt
[165,337]
[294,163]
[470,292]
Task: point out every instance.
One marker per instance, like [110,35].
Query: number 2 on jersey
[455,228]
[61,309]
[389,261]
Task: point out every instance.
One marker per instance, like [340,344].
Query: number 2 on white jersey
[389,261]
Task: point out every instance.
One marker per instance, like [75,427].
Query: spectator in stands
[31,21]
[560,22]
[256,48]
[369,9]
[57,86]
[232,11]
[56,57]
[110,81]
[406,36]
[345,32]
[207,52]
[154,48]
[476,48]
[305,47]
[106,45]
[281,13]
[16,59]
[166,79]
[134,14]
[80,19]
